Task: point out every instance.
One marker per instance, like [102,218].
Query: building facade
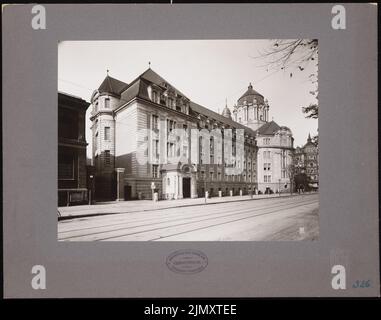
[306,163]
[149,137]
[72,179]
[274,142]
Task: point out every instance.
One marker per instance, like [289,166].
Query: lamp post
[90,189]
[280,162]
[205,186]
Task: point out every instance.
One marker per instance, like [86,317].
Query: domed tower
[252,109]
[226,112]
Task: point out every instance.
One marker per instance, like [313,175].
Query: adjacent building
[72,179]
[306,163]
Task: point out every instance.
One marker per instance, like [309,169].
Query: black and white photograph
[202,152]
[191,140]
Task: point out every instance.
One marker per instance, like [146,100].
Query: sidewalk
[116,207]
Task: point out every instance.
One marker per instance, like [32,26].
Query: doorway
[127,192]
[186,187]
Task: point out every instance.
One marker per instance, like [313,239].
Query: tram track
[221,219]
[159,216]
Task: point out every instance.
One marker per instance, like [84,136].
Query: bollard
[240,193]
[220,194]
[231,193]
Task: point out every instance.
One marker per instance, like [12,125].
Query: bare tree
[293,56]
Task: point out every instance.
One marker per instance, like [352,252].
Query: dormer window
[162,99]
[170,102]
[154,96]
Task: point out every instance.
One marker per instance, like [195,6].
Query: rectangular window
[170,125]
[154,96]
[162,99]
[107,134]
[155,171]
[107,158]
[155,122]
[170,150]
[170,102]
[155,150]
[107,103]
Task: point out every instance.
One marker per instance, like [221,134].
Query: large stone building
[274,142]
[72,179]
[150,137]
[306,163]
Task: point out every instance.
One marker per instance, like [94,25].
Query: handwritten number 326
[361,284]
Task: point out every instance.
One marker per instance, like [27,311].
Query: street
[273,219]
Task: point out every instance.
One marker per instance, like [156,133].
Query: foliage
[294,56]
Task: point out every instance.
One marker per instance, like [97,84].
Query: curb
[61,218]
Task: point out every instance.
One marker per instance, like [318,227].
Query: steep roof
[112,85]
[138,88]
[218,117]
[153,77]
[268,128]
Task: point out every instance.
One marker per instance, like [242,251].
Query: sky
[209,72]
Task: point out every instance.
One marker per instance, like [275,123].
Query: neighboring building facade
[72,179]
[149,137]
[306,163]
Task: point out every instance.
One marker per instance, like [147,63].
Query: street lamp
[205,186]
[91,188]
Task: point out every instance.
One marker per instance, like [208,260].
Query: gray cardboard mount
[348,158]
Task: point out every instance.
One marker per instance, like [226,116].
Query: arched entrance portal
[179,181]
